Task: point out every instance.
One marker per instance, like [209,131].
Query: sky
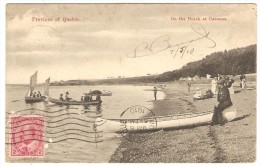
[106,37]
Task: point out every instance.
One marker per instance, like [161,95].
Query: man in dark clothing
[98,98]
[155,93]
[224,102]
[86,98]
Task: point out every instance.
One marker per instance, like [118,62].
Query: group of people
[67,97]
[199,95]
[222,86]
[86,98]
[35,95]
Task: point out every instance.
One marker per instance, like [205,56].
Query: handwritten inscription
[163,43]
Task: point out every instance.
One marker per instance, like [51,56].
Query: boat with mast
[29,98]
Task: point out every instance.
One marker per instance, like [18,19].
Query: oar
[16,100]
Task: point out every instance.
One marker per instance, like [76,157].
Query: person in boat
[98,98]
[82,98]
[61,97]
[86,98]
[34,94]
[39,94]
[198,94]
[155,93]
[224,101]
[67,97]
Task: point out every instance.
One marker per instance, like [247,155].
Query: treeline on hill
[232,62]
[236,61]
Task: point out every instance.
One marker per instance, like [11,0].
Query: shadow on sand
[240,118]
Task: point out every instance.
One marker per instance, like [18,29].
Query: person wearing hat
[86,97]
[224,101]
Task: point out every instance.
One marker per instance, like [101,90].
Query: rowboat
[161,122]
[106,94]
[33,82]
[100,93]
[73,102]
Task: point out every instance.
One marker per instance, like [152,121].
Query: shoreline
[234,142]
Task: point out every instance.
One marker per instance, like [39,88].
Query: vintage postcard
[131,83]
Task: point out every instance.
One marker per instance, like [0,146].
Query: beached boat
[161,122]
[33,82]
[73,102]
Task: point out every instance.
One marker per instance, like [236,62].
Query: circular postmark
[138,123]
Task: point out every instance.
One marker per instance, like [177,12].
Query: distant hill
[232,62]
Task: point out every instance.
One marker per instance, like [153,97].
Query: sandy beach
[232,143]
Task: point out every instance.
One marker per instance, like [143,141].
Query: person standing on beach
[189,85]
[224,100]
[155,93]
[214,85]
[243,81]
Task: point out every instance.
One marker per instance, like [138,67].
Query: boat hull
[57,101]
[34,99]
[106,94]
[161,122]
[103,94]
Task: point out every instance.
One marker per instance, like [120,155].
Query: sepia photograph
[130,83]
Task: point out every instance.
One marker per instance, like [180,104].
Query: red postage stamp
[27,137]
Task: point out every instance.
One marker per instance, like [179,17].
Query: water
[58,118]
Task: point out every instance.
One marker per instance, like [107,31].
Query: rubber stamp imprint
[27,136]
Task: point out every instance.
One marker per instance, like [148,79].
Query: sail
[33,83]
[46,87]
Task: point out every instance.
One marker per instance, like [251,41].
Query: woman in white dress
[231,88]
[214,86]
[198,94]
